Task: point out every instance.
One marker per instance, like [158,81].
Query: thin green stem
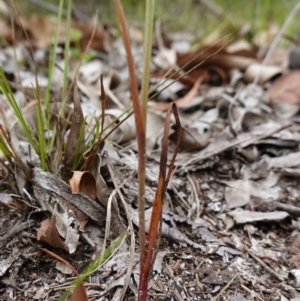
[53,55]
[147,56]
[67,53]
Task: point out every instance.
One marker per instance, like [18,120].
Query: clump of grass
[54,118]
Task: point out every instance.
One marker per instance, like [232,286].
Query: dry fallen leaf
[48,233]
[42,29]
[246,216]
[83,182]
[184,100]
[194,137]
[88,30]
[239,192]
[285,89]
[265,73]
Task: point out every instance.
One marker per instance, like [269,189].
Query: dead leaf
[194,137]
[125,132]
[79,293]
[83,181]
[184,100]
[48,233]
[42,29]
[289,160]
[238,193]
[165,58]
[52,184]
[246,216]
[98,41]
[214,55]
[265,72]
[285,89]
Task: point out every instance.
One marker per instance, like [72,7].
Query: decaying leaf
[285,89]
[83,182]
[194,137]
[245,216]
[48,233]
[238,193]
[265,72]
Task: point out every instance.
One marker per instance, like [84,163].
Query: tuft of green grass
[51,150]
[6,90]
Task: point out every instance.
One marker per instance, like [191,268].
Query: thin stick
[224,288]
[266,267]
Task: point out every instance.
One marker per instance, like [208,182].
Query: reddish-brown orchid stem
[140,129]
[156,217]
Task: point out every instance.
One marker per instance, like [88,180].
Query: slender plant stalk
[53,55]
[144,101]
[67,53]
[40,127]
[140,125]
[147,56]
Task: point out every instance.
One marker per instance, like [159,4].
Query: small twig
[196,199]
[251,292]
[183,203]
[266,267]
[224,288]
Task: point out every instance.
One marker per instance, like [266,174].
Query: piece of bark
[54,184]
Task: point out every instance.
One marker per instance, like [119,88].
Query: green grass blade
[4,148]
[40,117]
[79,149]
[52,57]
[41,137]
[6,90]
[67,54]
